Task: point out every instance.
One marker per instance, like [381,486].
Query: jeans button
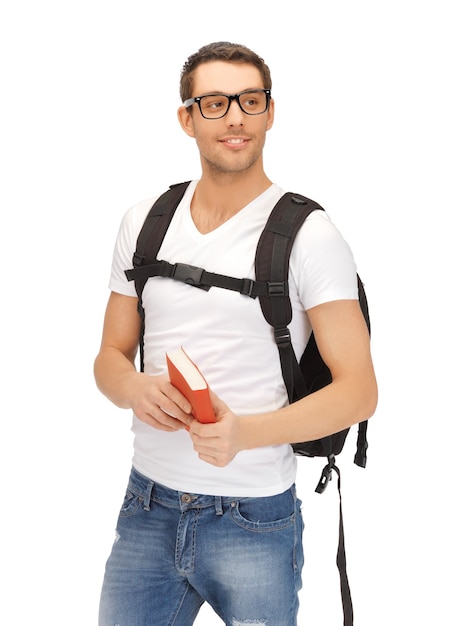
[186,498]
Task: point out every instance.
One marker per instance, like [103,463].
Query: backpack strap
[341,561]
[197,277]
[148,243]
[272,266]
[153,232]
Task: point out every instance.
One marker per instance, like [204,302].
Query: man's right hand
[158,403]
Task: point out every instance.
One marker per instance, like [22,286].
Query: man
[210,513]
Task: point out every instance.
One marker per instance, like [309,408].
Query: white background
[366,125]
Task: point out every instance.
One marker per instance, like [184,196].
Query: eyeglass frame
[236,96]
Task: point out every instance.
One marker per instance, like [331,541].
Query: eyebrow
[225,93]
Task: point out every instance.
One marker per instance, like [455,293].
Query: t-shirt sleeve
[322,263]
[125,247]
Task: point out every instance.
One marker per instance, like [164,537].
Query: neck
[218,198]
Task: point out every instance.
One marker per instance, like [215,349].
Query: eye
[213,103]
[251,101]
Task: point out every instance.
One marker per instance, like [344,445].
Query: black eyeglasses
[213,106]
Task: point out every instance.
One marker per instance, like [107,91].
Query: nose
[235,115]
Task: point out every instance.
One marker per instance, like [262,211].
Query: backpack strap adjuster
[247,287]
[137,260]
[282,337]
[280,288]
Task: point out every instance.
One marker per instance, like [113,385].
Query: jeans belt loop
[149,490]
[218,505]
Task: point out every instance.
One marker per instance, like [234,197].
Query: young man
[210,513]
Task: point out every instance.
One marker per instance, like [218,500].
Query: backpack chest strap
[198,277]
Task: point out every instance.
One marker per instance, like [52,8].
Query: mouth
[234,142]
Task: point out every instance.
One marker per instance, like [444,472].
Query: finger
[214,446]
[161,420]
[219,406]
[172,412]
[217,461]
[172,393]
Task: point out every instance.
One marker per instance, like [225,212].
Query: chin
[232,166]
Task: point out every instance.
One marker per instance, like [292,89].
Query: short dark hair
[221,51]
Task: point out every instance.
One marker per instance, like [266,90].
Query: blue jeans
[174,550]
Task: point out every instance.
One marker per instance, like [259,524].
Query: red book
[186,376]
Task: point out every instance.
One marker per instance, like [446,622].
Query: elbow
[368,400]
[96,370]
[361,392]
[358,396]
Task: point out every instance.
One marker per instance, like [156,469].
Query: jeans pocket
[265,514]
[131,503]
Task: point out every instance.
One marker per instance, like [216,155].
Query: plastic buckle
[137,260]
[326,475]
[282,336]
[189,274]
[247,287]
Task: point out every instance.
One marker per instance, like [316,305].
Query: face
[233,143]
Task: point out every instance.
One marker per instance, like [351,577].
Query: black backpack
[271,287]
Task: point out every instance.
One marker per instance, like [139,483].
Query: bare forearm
[333,408]
[153,399]
[114,374]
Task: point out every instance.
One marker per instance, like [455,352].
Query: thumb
[219,406]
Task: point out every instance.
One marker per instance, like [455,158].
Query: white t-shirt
[226,334]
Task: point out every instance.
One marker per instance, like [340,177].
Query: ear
[186,121]
[270,114]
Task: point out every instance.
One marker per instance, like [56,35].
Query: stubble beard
[222,166]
